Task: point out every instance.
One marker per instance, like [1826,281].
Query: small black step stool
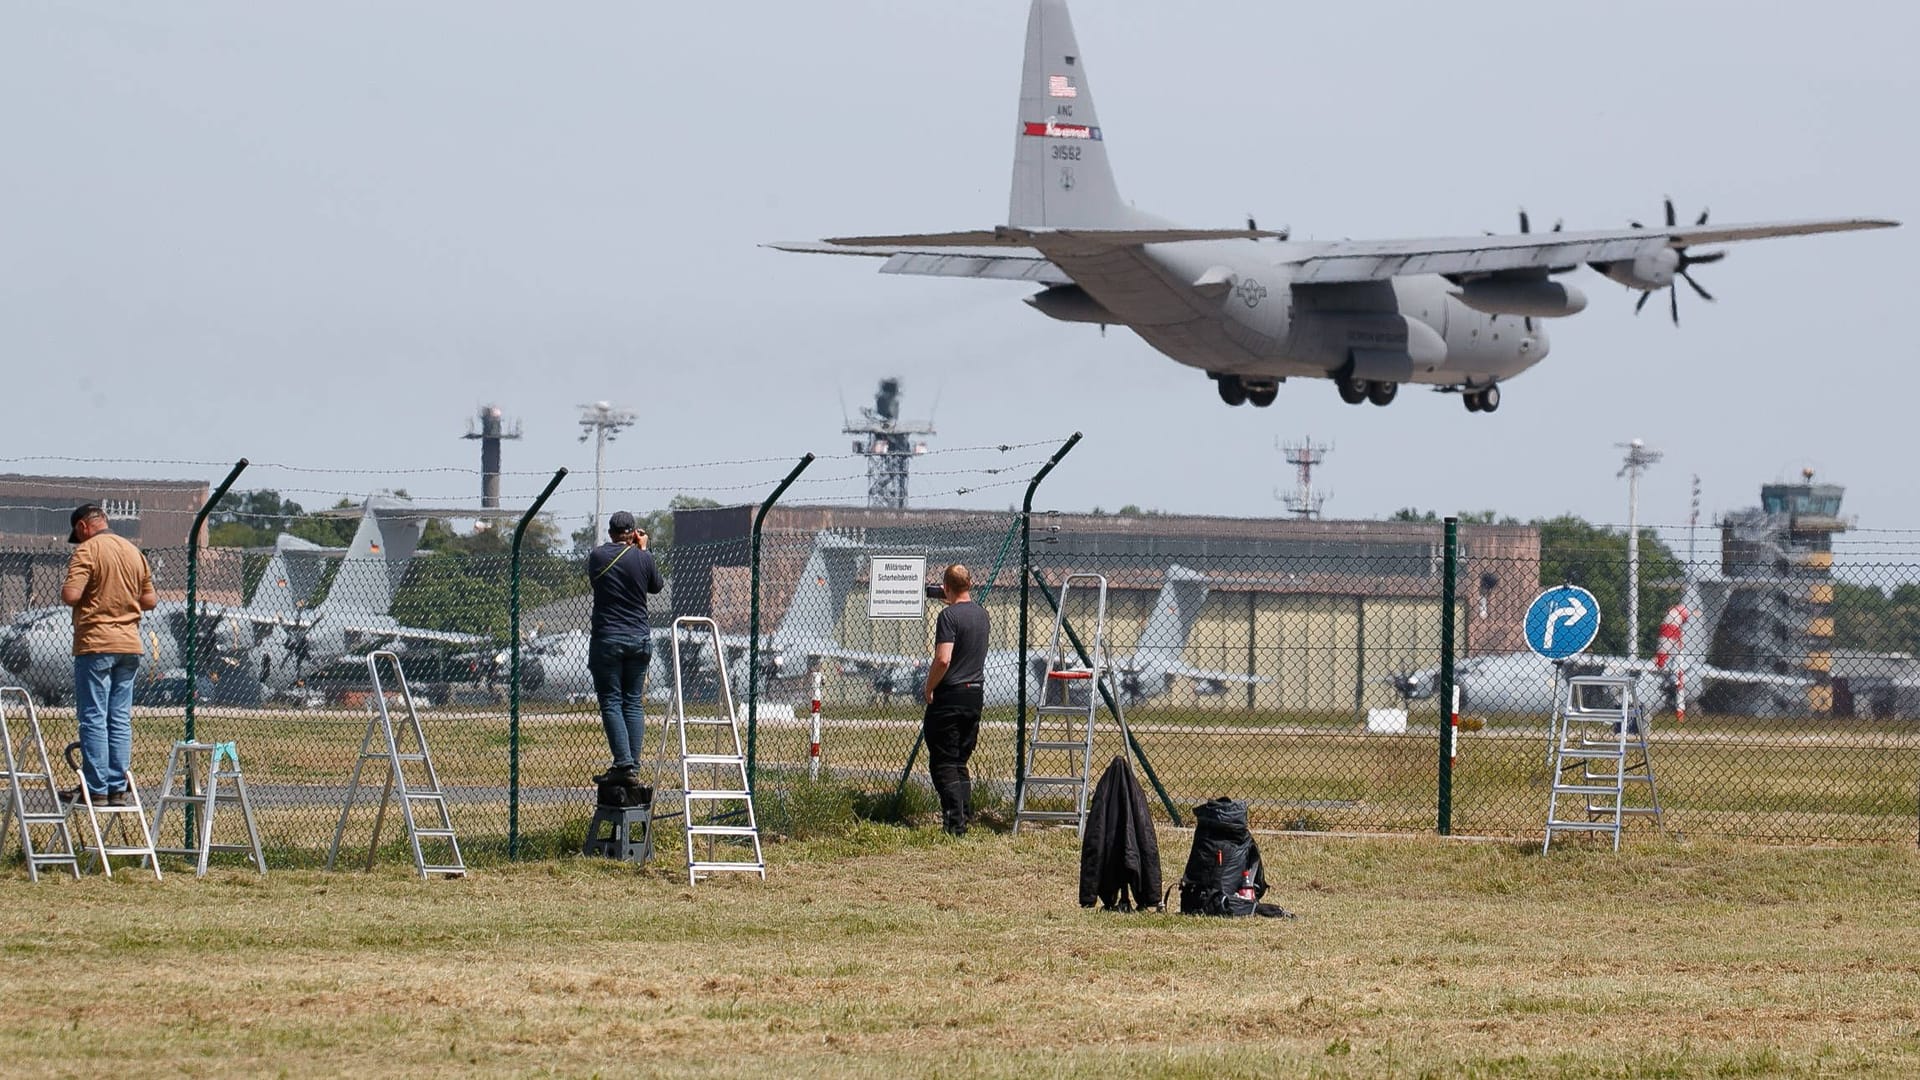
[627,812]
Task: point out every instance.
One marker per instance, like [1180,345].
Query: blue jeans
[103,698]
[619,669]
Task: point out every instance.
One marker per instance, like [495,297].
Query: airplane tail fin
[825,582]
[1164,637]
[290,577]
[1061,178]
[388,535]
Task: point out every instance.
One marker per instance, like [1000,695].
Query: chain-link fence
[1294,664]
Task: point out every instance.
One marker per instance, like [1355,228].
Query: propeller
[1680,269]
[1526,224]
[1285,232]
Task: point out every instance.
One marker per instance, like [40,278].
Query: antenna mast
[491,430]
[889,444]
[1303,502]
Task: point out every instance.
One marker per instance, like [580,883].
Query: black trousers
[952,727]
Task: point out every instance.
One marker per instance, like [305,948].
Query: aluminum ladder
[427,794]
[1600,759]
[716,793]
[187,763]
[34,809]
[141,845]
[1064,718]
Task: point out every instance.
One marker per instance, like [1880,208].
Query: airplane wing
[1240,677]
[414,633]
[856,656]
[999,263]
[991,253]
[1377,260]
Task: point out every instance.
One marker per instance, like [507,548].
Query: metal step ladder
[425,793]
[120,821]
[188,763]
[1600,760]
[1059,753]
[33,799]
[717,794]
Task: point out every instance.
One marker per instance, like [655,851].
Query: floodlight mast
[1639,457]
[602,423]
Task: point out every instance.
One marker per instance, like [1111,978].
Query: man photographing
[952,721]
[623,574]
[108,585]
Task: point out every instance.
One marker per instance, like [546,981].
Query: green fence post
[1448,575]
[753,623]
[513,670]
[1026,574]
[193,595]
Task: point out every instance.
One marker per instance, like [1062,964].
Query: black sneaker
[117,798]
[70,797]
[623,775]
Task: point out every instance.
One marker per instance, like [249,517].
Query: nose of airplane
[15,655]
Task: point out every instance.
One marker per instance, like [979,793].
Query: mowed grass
[888,951]
[1719,777]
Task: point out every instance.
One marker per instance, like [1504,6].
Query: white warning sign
[896,587]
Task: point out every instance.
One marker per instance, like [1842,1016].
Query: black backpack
[1224,874]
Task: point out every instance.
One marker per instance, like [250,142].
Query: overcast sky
[321,234]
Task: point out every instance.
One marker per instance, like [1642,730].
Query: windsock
[1668,654]
[1669,649]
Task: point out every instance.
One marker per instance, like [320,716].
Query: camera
[936,592]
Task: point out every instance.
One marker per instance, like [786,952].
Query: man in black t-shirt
[622,574]
[952,722]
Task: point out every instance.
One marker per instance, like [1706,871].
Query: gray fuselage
[1253,322]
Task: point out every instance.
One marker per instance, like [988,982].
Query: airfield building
[1364,594]
[34,511]
[1778,563]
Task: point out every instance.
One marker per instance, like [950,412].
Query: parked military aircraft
[269,645]
[1147,672]
[1527,682]
[1252,308]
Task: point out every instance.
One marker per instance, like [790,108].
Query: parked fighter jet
[1147,672]
[267,646]
[36,647]
[1252,308]
[1527,682]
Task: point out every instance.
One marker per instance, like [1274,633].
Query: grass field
[888,951]
[1719,777]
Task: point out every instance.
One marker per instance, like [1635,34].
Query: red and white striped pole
[1453,725]
[813,750]
[1671,629]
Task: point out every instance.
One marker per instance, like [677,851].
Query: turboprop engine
[1648,272]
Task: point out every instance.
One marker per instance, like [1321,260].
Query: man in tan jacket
[108,586]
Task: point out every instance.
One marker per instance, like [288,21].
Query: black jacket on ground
[1119,855]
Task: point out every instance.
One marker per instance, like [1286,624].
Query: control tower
[1778,561]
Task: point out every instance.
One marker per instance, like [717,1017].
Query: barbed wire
[471,471]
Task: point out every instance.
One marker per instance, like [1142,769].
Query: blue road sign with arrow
[1562,622]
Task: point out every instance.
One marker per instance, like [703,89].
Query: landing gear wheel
[1352,391]
[1232,390]
[1262,396]
[1490,399]
[1471,399]
[1383,393]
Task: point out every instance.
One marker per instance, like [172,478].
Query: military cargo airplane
[1252,308]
